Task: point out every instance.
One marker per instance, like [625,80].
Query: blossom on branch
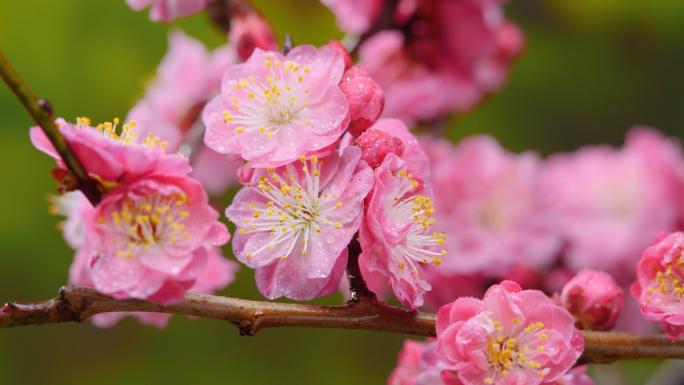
[418,365]
[295,222]
[512,336]
[169,10]
[593,298]
[187,77]
[275,108]
[660,283]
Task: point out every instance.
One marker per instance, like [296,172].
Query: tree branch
[78,303]
[42,112]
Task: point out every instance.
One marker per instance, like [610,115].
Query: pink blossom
[608,202]
[337,46]
[187,78]
[75,207]
[454,53]
[487,199]
[153,238]
[593,298]
[658,288]
[355,16]
[249,31]
[576,376]
[376,144]
[366,99]
[108,156]
[512,336]
[417,365]
[394,237]
[169,10]
[274,108]
[295,225]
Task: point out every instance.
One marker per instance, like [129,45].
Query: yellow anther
[338,225]
[239,130]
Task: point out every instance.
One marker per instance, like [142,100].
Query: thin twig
[78,303]
[42,112]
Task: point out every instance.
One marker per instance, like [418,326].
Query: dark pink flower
[417,365]
[395,236]
[376,144]
[487,199]
[295,222]
[187,78]
[608,202]
[274,108]
[355,16]
[152,238]
[169,10]
[366,99]
[512,336]
[249,30]
[660,283]
[593,298]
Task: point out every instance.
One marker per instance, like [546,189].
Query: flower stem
[77,304]
[42,112]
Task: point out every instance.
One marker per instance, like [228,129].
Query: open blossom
[607,203]
[355,16]
[418,365]
[395,236]
[274,108]
[366,99]
[511,336]
[152,238]
[187,77]
[444,56]
[487,199]
[660,283]
[593,298]
[110,157]
[169,10]
[295,222]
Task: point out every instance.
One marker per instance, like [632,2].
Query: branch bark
[42,112]
[78,303]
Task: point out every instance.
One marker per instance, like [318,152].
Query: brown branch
[42,112]
[77,303]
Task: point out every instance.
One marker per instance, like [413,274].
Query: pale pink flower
[153,237]
[355,16]
[417,365]
[366,99]
[512,336]
[487,199]
[395,236]
[75,207]
[249,30]
[274,108]
[659,284]
[576,376]
[187,77]
[608,202]
[169,10]
[453,54]
[108,156]
[295,224]
[593,298]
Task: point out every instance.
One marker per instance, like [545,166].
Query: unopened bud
[249,31]
[375,145]
[593,298]
[366,99]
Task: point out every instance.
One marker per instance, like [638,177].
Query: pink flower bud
[593,298]
[249,31]
[366,99]
[375,145]
[337,46]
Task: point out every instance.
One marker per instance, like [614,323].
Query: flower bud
[375,145]
[593,298]
[337,46]
[366,99]
[249,31]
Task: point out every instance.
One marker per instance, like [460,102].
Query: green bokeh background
[592,69]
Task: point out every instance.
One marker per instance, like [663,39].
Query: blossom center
[149,222]
[268,104]
[293,212]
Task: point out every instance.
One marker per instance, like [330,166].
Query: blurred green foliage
[592,69]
